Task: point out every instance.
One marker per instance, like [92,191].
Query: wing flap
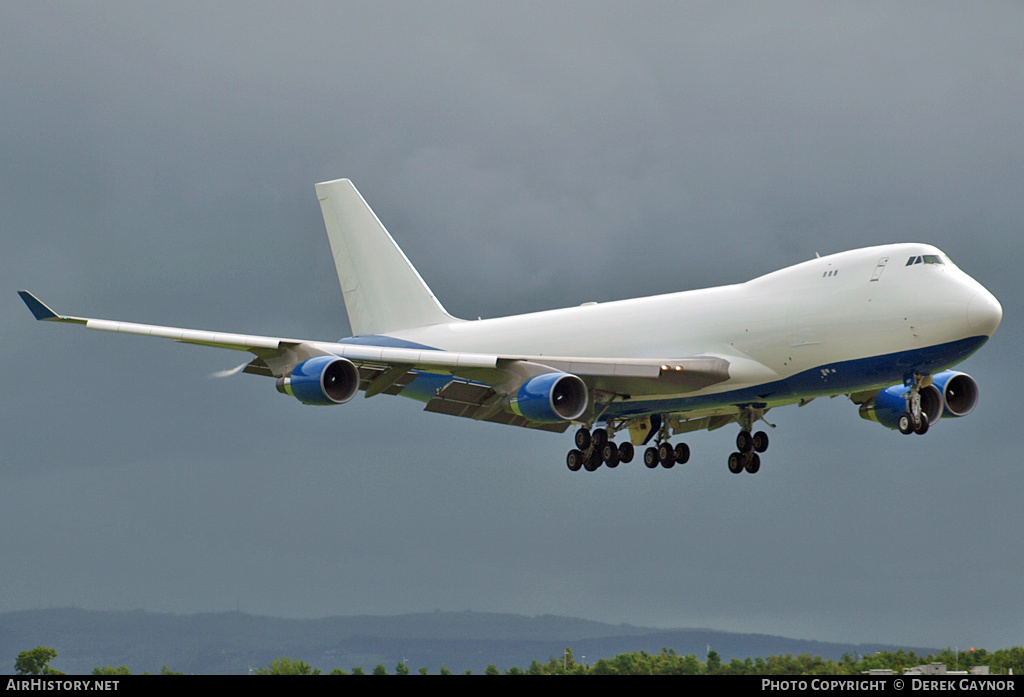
[475,401]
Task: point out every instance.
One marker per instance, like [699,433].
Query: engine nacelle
[322,381]
[951,394]
[959,393]
[550,398]
[887,406]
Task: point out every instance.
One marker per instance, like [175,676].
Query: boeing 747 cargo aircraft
[882,325]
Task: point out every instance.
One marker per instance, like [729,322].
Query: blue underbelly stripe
[830,379]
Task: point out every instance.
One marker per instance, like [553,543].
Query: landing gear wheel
[626,452]
[667,455]
[736,463]
[753,463]
[906,423]
[922,428]
[682,453]
[744,442]
[574,460]
[610,454]
[592,461]
[599,437]
[760,442]
[583,439]
[651,457]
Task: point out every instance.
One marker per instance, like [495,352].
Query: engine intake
[321,381]
[959,393]
[951,394]
[550,398]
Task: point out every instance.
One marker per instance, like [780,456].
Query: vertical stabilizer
[383,292]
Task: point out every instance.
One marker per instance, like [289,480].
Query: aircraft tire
[583,439]
[626,452]
[760,442]
[736,463]
[610,454]
[922,428]
[682,453]
[598,438]
[651,457]
[753,463]
[744,442]
[574,460]
[906,423]
[666,452]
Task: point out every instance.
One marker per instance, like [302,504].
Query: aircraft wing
[480,382]
[275,356]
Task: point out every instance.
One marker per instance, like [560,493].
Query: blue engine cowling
[550,398]
[951,394]
[321,381]
[959,393]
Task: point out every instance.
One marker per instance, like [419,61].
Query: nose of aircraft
[984,313]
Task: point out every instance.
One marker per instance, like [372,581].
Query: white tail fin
[383,291]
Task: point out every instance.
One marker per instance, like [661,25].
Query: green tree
[36,662]
[287,666]
[110,670]
[380,670]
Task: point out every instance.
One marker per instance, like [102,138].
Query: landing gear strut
[915,420]
[594,448]
[749,445]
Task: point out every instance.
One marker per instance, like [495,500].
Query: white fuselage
[845,307]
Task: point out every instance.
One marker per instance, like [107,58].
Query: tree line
[36,662]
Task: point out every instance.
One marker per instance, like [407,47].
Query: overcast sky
[158,164]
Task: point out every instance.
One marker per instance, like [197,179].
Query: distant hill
[233,642]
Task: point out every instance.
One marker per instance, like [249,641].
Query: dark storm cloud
[158,167]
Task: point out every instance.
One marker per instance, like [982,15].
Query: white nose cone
[984,313]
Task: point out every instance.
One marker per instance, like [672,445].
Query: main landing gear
[749,447]
[595,448]
[666,455]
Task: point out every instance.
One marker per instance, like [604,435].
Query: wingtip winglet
[37,307]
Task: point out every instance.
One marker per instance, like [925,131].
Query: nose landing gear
[915,420]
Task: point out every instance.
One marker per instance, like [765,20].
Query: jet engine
[951,394]
[323,380]
[959,393]
[550,398]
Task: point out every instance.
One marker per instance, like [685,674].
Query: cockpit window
[925,259]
